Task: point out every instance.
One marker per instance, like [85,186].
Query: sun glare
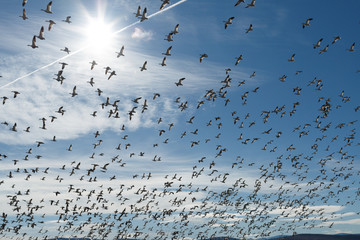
[99,34]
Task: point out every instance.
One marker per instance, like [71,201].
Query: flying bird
[33,43]
[249,29]
[143,66]
[292,58]
[51,23]
[202,56]
[176,29]
[229,21]
[169,37]
[41,33]
[143,16]
[337,38]
[156,95]
[93,63]
[238,59]
[99,91]
[351,49]
[24,2]
[324,50]
[73,93]
[138,12]
[238,2]
[67,20]
[163,62]
[23,16]
[179,83]
[282,79]
[112,74]
[15,93]
[167,53]
[252,4]
[65,50]
[63,64]
[91,82]
[121,53]
[48,8]
[164,3]
[307,22]
[318,43]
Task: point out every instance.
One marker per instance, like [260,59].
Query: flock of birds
[181,207]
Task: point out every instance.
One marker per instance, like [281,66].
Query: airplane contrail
[87,46]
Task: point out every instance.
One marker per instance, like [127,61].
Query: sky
[264,147]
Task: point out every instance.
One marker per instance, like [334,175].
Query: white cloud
[139,33]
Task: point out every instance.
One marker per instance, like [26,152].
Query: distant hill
[320,237]
[304,237]
[296,237]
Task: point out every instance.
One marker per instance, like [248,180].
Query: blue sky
[256,159]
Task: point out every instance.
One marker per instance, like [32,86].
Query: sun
[98,34]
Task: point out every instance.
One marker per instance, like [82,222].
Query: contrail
[85,47]
[168,8]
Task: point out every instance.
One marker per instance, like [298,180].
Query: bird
[136,100]
[249,29]
[107,69]
[318,43]
[113,73]
[176,29]
[48,8]
[167,53]
[143,67]
[202,56]
[33,43]
[41,34]
[282,78]
[93,63]
[324,50]
[138,12]
[156,95]
[61,110]
[229,21]
[63,64]
[179,83]
[14,128]
[337,38]
[24,2]
[51,23]
[73,93]
[238,2]
[121,53]
[307,22]
[143,16]
[164,3]
[99,91]
[15,93]
[169,37]
[69,148]
[291,59]
[351,49]
[238,59]
[23,16]
[91,82]
[67,20]
[65,50]
[163,62]
[252,4]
